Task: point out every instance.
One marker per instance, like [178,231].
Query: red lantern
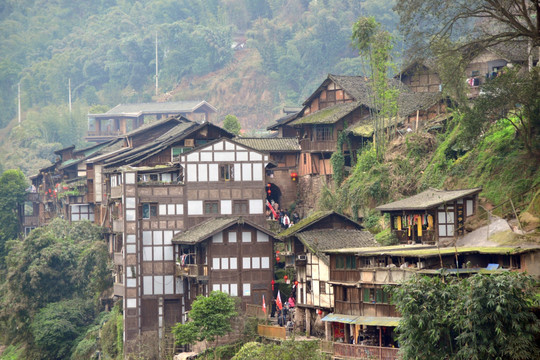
[273,282]
[277,251]
[269,191]
[294,176]
[277,259]
[295,283]
[285,277]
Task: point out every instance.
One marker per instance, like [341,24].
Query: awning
[347,319]
[376,321]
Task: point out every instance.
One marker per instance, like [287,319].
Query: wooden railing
[277,332]
[313,145]
[428,236]
[191,270]
[255,311]
[365,352]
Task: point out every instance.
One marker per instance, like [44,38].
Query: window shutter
[379,295]
[366,295]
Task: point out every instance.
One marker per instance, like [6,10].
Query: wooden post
[380,342]
[417,115]
[308,323]
[515,214]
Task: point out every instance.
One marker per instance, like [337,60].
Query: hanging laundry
[430,222]
[398,222]
[419,229]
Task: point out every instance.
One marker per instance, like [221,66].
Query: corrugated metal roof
[270,144]
[158,108]
[427,199]
[363,320]
[377,320]
[347,319]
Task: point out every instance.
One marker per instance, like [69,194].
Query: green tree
[375,46]
[231,124]
[210,317]
[12,194]
[514,97]
[57,326]
[481,317]
[56,262]
[475,24]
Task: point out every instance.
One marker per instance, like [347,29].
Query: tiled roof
[305,222]
[211,227]
[203,231]
[428,199]
[409,103]
[329,115]
[283,120]
[317,241]
[363,127]
[270,144]
[158,108]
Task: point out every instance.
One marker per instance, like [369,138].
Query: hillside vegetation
[106,49]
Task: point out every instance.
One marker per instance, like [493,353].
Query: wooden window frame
[324,133]
[211,207]
[152,210]
[240,207]
[226,172]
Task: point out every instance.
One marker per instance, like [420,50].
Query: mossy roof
[304,223]
[431,251]
[329,115]
[319,240]
[427,199]
[270,144]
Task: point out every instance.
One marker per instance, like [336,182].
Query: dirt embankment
[239,89]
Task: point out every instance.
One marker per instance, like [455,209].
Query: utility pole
[19,99]
[69,86]
[156,66]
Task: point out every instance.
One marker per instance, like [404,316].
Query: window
[211,207]
[369,295]
[351,262]
[28,208]
[149,210]
[27,230]
[226,172]
[340,262]
[82,212]
[240,207]
[305,159]
[323,133]
[322,287]
[446,221]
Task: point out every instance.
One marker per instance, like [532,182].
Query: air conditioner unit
[189,142]
[301,257]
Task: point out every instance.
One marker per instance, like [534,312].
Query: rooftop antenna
[156,65]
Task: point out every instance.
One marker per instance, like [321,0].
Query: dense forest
[106,49]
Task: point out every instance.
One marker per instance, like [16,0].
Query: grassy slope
[497,163]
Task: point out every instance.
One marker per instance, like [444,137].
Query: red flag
[279,304]
[264,306]
[272,209]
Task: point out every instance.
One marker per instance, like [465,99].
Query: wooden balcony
[428,236]
[118,225]
[116,192]
[318,146]
[199,272]
[353,351]
[365,352]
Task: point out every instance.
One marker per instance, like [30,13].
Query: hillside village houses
[186,208]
